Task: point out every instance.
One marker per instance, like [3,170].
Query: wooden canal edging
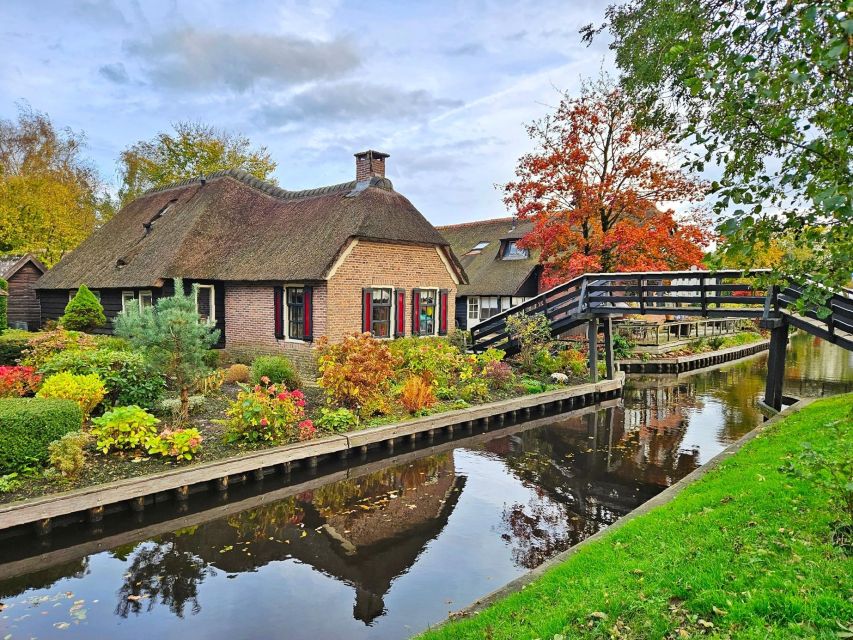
[682,364]
[133,493]
[13,568]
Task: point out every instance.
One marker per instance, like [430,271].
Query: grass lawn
[754,549]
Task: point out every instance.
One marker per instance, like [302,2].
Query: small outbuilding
[21,272]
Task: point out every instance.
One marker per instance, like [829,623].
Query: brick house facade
[275,269]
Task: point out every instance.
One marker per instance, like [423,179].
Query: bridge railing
[726,293]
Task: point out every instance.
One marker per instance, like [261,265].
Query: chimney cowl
[369,163]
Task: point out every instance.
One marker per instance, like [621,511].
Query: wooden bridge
[593,298]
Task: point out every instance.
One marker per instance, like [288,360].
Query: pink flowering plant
[180,444]
[269,413]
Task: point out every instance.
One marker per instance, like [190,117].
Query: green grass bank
[759,547]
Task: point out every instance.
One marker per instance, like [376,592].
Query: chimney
[368,164]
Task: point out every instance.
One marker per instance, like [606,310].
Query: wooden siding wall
[23,302]
[462,312]
[53,303]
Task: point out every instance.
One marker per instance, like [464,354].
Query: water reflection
[387,553]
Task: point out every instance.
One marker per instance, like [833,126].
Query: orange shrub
[237,373]
[417,394]
[356,373]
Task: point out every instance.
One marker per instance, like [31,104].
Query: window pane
[146,299]
[427,311]
[295,313]
[381,321]
[127,299]
[473,308]
[382,296]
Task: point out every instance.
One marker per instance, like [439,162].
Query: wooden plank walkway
[92,500]
[68,554]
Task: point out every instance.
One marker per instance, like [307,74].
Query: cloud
[191,60]
[470,49]
[114,72]
[355,100]
[100,12]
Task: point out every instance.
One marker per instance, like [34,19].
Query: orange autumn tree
[591,188]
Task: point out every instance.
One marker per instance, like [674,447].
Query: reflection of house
[500,273]
[21,272]
[374,535]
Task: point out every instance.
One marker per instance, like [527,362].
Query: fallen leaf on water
[134,598]
[61,625]
[304,533]
[226,548]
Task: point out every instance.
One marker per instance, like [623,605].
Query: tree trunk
[184,416]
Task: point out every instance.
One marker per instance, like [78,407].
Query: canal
[387,549]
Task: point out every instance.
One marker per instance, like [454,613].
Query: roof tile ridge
[474,223]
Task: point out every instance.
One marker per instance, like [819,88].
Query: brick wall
[378,264]
[250,325]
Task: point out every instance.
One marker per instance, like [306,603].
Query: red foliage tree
[591,188]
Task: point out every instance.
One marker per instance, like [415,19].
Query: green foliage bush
[4,306]
[86,390]
[83,312]
[29,425]
[278,369]
[211,358]
[180,444]
[337,420]
[128,377]
[13,342]
[269,413]
[124,428]
[532,332]
[68,454]
[45,344]
[622,347]
[435,358]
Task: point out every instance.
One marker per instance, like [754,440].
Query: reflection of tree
[44,578]
[160,571]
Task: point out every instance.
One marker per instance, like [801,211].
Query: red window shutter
[416,312]
[278,311]
[400,313]
[366,309]
[308,313]
[442,311]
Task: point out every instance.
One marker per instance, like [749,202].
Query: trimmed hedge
[278,369]
[29,425]
[12,343]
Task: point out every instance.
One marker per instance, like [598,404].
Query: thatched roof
[234,227]
[488,275]
[10,265]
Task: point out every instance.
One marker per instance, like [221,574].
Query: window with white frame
[489,306]
[427,309]
[128,298]
[146,300]
[205,303]
[473,308]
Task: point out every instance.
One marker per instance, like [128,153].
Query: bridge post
[607,325]
[776,364]
[592,338]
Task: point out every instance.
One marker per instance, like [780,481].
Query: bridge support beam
[776,365]
[607,326]
[592,338]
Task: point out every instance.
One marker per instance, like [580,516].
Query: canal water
[384,551]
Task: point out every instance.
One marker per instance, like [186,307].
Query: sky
[445,88]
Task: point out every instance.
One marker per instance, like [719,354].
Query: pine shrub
[83,312]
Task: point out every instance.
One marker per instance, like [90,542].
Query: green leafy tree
[4,305]
[174,337]
[762,88]
[532,332]
[51,197]
[83,312]
[193,149]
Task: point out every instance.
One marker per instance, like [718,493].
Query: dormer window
[513,252]
[478,248]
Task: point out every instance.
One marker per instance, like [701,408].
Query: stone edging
[695,361]
[92,500]
[662,498]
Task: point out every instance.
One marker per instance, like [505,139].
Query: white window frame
[285,312]
[212,293]
[437,315]
[473,309]
[150,294]
[392,325]
[126,296]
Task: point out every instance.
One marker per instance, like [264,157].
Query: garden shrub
[172,406]
[86,390]
[460,339]
[498,375]
[124,428]
[428,356]
[474,390]
[356,373]
[29,425]
[68,454]
[531,385]
[490,355]
[237,373]
[573,362]
[337,420]
[16,382]
[211,383]
[10,482]
[173,338]
[417,394]
[4,306]
[128,377]
[44,345]
[544,363]
[622,347]
[13,342]
[532,332]
[112,343]
[83,312]
[278,369]
[180,444]
[211,358]
[270,413]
